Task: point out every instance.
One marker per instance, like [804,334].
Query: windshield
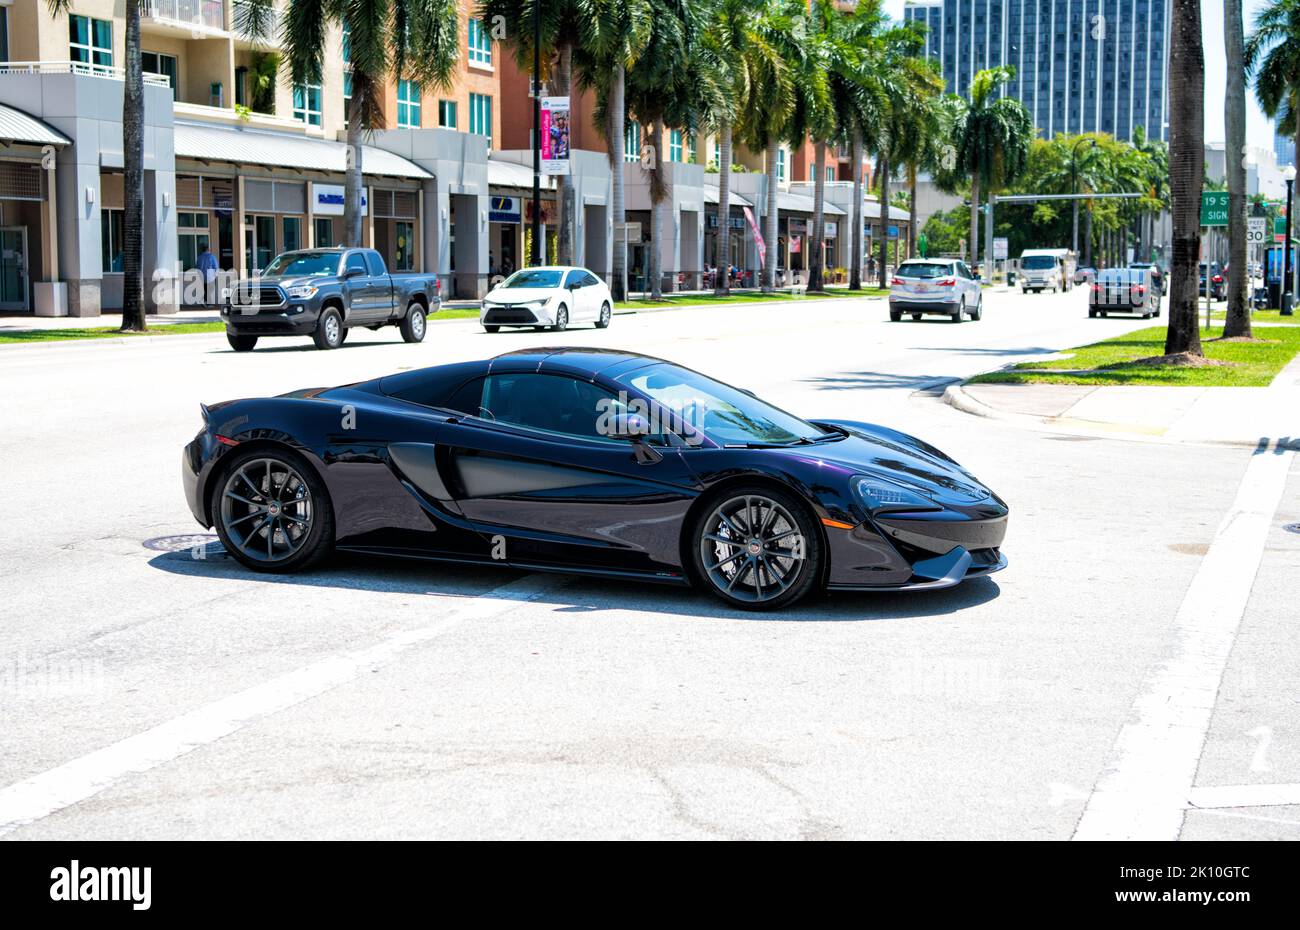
[725,414]
[303,264]
[534,277]
[924,270]
[1038,262]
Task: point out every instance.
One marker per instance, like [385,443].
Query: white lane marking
[1244,796]
[41,795]
[1143,792]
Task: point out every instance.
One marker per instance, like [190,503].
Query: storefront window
[306,104]
[192,233]
[403,254]
[112,232]
[324,232]
[408,105]
[90,41]
[292,233]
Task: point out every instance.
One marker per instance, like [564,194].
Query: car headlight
[877,494]
[301,292]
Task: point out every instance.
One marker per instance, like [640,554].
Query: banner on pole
[758,237]
[555,135]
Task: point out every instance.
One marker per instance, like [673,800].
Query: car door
[379,288]
[533,473]
[579,295]
[594,291]
[355,283]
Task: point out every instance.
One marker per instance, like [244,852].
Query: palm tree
[566,25]
[417,40]
[1186,173]
[931,152]
[768,112]
[992,139]
[133,315]
[822,55]
[619,37]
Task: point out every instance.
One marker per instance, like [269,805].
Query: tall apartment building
[237,159]
[1283,146]
[1081,65]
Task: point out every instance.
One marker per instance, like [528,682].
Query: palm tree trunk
[911,210]
[884,219]
[1234,112]
[562,86]
[1186,172]
[855,264]
[722,272]
[617,156]
[352,214]
[973,251]
[815,248]
[770,225]
[656,213]
[133,319]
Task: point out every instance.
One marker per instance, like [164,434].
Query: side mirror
[630,426]
[352,273]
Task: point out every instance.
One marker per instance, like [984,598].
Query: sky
[1259,130]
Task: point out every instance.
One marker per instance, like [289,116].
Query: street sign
[1256,229]
[999,249]
[1214,208]
[629,231]
[1279,226]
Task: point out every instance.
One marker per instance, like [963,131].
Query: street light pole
[1288,299]
[1074,189]
[536,257]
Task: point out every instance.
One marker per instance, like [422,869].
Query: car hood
[869,449]
[295,280]
[520,295]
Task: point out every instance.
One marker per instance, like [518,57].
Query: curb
[956,397]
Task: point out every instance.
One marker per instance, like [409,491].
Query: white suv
[935,285]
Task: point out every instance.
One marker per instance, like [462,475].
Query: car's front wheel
[561,319]
[489,328]
[757,548]
[241,343]
[329,330]
[605,313]
[414,323]
[272,512]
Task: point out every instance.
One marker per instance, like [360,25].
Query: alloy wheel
[751,549]
[266,509]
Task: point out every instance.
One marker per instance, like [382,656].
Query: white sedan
[547,297]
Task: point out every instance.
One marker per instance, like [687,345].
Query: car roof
[582,361]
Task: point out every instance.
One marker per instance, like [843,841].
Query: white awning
[711,196]
[502,173]
[17,126]
[797,203]
[280,150]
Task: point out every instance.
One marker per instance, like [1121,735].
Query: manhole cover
[183,543]
[1292,527]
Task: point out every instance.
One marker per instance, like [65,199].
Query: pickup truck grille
[264,296]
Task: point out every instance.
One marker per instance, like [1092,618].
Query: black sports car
[587,460]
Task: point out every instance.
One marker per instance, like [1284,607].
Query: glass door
[13,268]
[259,242]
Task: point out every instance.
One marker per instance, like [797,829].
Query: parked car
[1157,276]
[1043,269]
[323,293]
[1218,281]
[590,462]
[1085,274]
[935,285]
[1124,290]
[548,297]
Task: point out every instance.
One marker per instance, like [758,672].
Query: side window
[355,261]
[575,279]
[588,279]
[962,270]
[376,263]
[467,398]
[551,403]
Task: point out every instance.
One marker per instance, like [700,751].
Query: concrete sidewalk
[1232,415]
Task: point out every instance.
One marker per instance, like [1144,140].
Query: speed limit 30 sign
[1256,229]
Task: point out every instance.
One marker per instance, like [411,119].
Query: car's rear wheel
[1092,314]
[272,512]
[895,316]
[488,328]
[757,548]
[329,330]
[916,316]
[414,323]
[561,319]
[961,310]
[605,314]
[241,343]
[978,313]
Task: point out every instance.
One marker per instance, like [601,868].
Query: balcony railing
[210,14]
[75,67]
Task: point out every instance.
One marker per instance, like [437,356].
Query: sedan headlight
[301,292]
[877,494]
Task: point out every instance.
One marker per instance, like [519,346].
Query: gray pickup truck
[323,293]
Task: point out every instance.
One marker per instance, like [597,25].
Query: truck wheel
[329,330]
[413,324]
[241,343]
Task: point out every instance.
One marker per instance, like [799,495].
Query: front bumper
[282,321]
[516,316]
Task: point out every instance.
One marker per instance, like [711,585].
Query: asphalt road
[147,693]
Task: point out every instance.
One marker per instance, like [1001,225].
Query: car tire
[253,484]
[1092,314]
[489,328]
[978,313]
[540,329]
[602,322]
[241,343]
[916,316]
[763,581]
[329,330]
[895,316]
[1102,314]
[961,311]
[414,324]
[561,319]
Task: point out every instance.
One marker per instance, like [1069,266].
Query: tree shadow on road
[204,557]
